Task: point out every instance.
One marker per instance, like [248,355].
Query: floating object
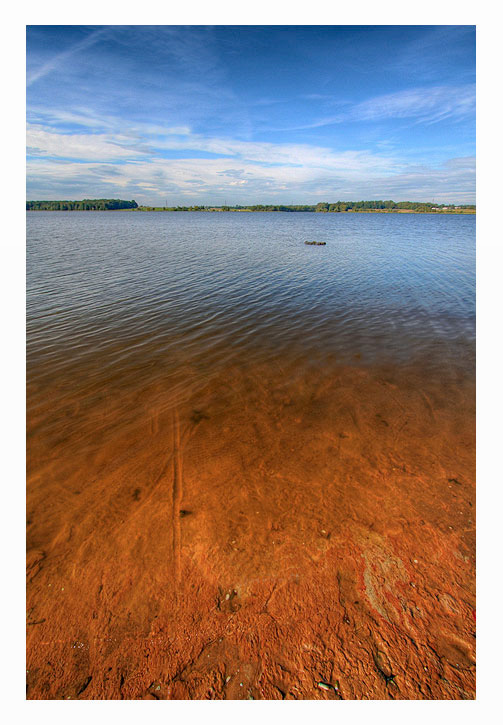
[318,244]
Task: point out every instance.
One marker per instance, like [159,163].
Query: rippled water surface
[144,294]
[250,461]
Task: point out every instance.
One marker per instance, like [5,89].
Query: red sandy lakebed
[274,535]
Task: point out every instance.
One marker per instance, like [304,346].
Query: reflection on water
[215,407]
[121,300]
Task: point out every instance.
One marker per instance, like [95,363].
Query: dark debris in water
[198,415]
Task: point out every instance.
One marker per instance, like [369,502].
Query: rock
[328,688]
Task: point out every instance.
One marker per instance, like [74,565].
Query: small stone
[324,686]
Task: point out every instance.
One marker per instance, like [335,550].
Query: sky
[183,115]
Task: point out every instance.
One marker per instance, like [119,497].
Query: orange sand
[270,533]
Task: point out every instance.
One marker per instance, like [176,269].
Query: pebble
[326,687]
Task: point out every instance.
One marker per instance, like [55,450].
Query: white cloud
[109,146]
[207,180]
[427,105]
[87,147]
[423,105]
[252,171]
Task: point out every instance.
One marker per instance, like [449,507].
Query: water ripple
[144,293]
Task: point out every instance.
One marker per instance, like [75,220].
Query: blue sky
[251,114]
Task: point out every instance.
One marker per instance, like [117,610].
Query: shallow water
[120,300]
[214,405]
[132,286]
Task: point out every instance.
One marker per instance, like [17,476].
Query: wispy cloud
[60,58]
[422,105]
[425,105]
[84,147]
[210,180]
[440,49]
[45,142]
[202,112]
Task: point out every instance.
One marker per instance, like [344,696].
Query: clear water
[137,296]
[252,448]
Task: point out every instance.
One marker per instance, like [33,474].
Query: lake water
[213,363]
[140,294]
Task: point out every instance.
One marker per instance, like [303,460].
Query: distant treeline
[84,205]
[387,205]
[237,207]
[338,206]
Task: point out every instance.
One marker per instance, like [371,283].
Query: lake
[215,406]
[142,295]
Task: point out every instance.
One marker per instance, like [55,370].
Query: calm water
[128,311]
[311,408]
[143,295]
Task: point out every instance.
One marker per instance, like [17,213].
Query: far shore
[268,211]
[322,207]
[348,211]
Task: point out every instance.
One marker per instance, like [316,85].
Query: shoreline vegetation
[351,207]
